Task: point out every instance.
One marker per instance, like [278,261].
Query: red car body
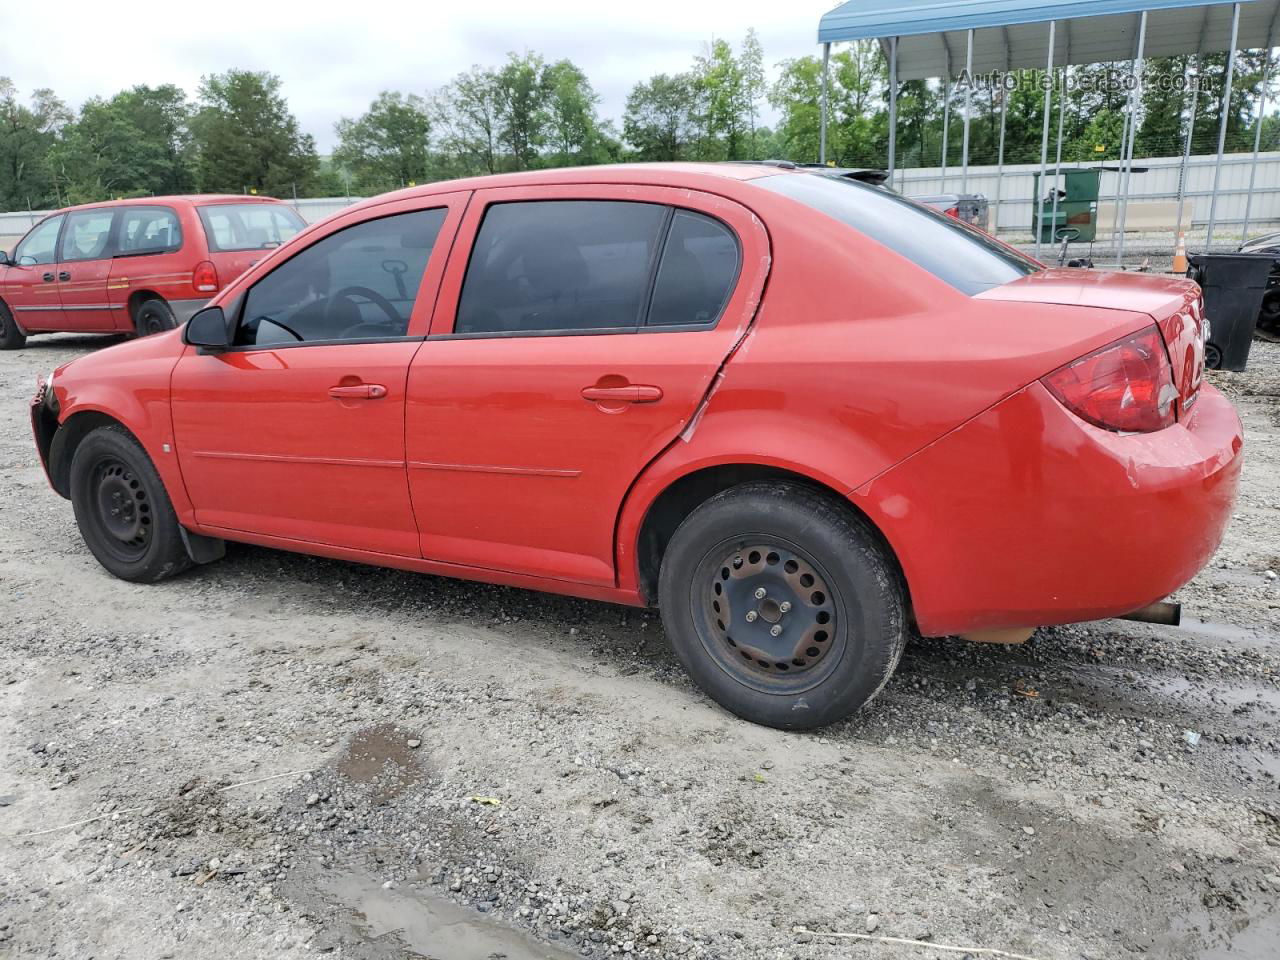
[561,463]
[87,269]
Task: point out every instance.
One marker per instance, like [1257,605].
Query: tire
[122,509]
[828,588]
[11,338]
[153,315]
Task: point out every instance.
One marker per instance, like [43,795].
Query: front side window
[87,236]
[146,230]
[248,226]
[40,245]
[960,255]
[357,284]
[560,265]
[697,273]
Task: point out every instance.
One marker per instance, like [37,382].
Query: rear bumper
[1027,516]
[183,310]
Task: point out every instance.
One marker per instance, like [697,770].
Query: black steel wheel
[153,316]
[782,604]
[770,617]
[122,509]
[1212,356]
[11,338]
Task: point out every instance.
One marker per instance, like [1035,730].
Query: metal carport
[935,38]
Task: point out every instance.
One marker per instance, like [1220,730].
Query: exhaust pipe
[1164,612]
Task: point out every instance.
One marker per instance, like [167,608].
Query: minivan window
[357,284]
[248,226]
[697,273]
[560,265]
[962,256]
[40,245]
[87,235]
[146,230]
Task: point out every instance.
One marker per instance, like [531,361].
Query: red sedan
[800,414]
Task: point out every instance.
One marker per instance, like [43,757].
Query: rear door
[151,252]
[557,367]
[84,267]
[31,284]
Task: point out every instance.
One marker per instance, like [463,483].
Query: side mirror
[208,330]
[4,259]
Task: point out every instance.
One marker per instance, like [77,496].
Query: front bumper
[1027,516]
[44,424]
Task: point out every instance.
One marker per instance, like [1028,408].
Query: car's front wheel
[782,605]
[11,338]
[122,509]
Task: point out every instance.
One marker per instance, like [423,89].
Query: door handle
[358,391]
[64,275]
[47,278]
[631,393]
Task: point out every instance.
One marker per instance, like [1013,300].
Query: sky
[335,58]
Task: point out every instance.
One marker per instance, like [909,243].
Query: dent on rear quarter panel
[129,382]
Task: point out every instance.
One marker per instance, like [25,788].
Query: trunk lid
[1174,303]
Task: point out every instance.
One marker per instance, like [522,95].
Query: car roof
[195,199]
[678,174]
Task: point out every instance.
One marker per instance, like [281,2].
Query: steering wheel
[373,297]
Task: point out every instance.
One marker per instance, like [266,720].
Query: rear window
[962,256]
[248,226]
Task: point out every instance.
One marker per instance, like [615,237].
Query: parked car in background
[800,414]
[141,266]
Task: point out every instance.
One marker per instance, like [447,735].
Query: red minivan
[141,265]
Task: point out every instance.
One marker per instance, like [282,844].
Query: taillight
[1125,386]
[205,277]
[952,212]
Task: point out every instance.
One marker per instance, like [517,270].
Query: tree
[467,112]
[246,138]
[722,86]
[135,144]
[388,146]
[521,96]
[753,87]
[573,129]
[27,134]
[661,117]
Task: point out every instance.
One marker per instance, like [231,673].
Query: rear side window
[697,273]
[87,235]
[145,230]
[560,265]
[357,284]
[248,226]
[957,254]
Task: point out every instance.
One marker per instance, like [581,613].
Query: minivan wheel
[11,338]
[122,509]
[153,316]
[782,605]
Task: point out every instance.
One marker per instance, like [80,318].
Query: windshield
[248,226]
[961,255]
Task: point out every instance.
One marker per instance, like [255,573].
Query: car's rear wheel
[11,338]
[121,507]
[782,605]
[153,315]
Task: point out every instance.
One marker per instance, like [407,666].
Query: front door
[31,285]
[297,432]
[84,265]
[579,329]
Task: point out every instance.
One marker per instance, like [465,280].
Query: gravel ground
[462,771]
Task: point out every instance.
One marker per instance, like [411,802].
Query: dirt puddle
[426,925]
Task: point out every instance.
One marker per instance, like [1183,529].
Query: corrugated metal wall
[1159,182]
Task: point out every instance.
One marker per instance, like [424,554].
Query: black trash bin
[1233,284]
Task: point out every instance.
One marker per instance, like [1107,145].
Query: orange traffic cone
[1180,254]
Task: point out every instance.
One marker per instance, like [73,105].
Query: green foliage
[27,136]
[388,146]
[661,119]
[246,138]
